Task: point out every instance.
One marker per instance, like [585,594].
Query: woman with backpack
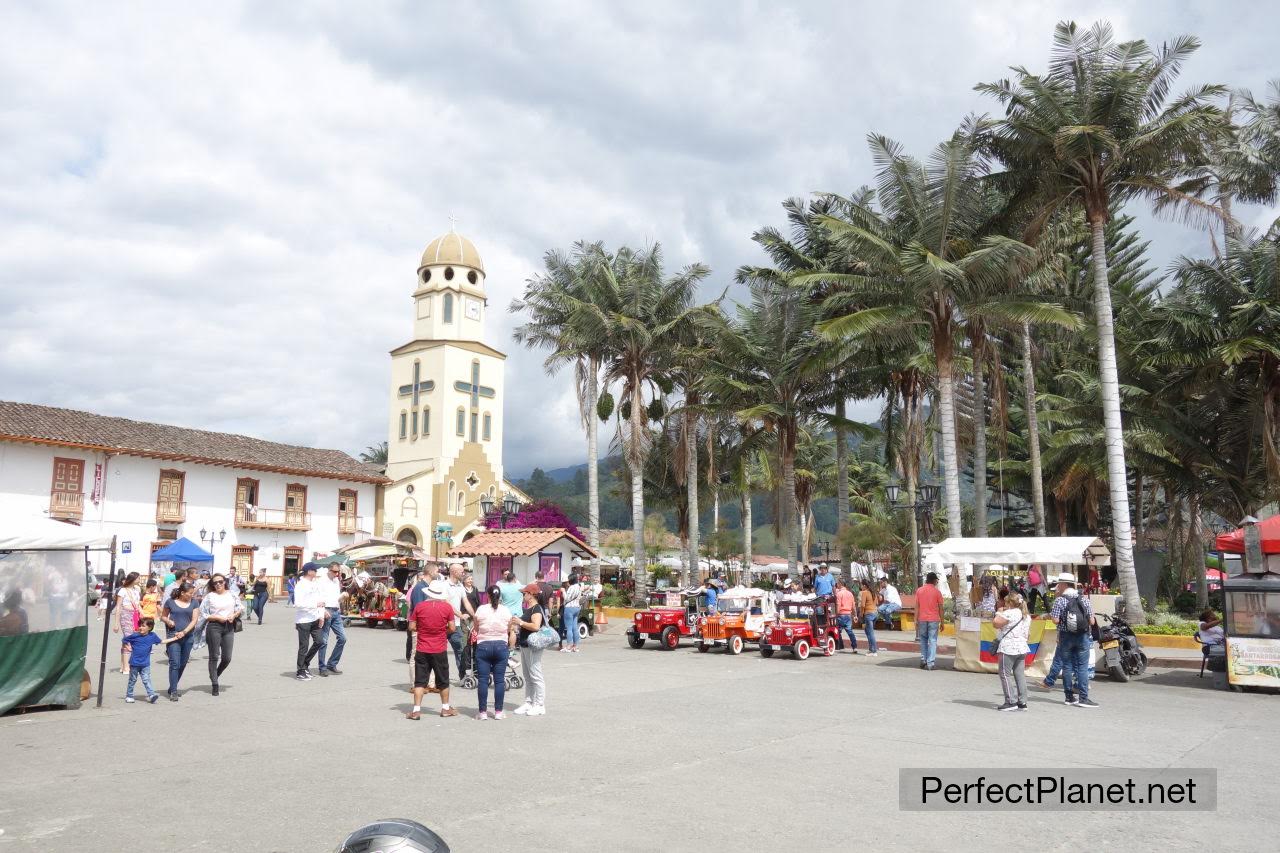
[1013,625]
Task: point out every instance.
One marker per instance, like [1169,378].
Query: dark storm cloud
[228,205]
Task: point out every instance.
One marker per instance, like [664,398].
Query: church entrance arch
[409,536]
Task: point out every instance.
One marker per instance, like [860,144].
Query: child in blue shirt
[139,646]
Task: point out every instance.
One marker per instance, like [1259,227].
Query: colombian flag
[987,646]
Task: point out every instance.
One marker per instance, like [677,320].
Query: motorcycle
[1122,653]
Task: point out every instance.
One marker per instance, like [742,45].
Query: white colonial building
[255,504]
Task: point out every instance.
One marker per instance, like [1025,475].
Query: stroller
[470,680]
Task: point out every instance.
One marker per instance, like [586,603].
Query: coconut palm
[375,454]
[925,262]
[1095,131]
[549,302]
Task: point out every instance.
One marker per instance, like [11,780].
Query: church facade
[444,433]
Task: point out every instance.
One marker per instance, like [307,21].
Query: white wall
[128,508]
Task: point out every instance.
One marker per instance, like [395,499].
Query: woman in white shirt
[493,639]
[1013,626]
[219,608]
[569,610]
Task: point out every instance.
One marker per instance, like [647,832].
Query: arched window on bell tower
[447,310]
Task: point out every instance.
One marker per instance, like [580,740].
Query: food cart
[976,634]
[1251,606]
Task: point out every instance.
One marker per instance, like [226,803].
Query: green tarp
[42,669]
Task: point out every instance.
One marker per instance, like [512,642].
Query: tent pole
[106,622]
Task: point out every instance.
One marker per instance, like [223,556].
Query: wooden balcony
[351,524]
[68,506]
[171,512]
[264,518]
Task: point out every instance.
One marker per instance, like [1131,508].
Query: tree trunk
[979,444]
[715,509]
[1196,536]
[803,520]
[746,534]
[842,481]
[641,569]
[950,465]
[1033,430]
[1117,475]
[593,474]
[691,483]
[788,498]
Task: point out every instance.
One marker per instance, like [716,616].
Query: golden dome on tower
[452,248]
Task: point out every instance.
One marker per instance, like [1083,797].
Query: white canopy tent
[1019,550]
[40,534]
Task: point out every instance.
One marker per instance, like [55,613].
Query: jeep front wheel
[735,645]
[766,651]
[801,650]
[702,647]
[635,640]
[670,637]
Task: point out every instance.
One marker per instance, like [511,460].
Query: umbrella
[332,560]
[371,551]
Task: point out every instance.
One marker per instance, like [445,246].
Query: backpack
[1074,619]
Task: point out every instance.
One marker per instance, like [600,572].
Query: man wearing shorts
[432,621]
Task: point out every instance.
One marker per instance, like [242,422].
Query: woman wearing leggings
[220,609]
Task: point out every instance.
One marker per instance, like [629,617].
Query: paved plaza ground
[640,751]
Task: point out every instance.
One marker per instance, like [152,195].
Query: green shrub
[660,572]
[614,597]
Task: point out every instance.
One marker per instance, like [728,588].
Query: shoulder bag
[1008,628]
[546,636]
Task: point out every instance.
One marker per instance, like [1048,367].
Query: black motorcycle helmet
[393,835]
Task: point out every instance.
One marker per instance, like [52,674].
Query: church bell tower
[444,442]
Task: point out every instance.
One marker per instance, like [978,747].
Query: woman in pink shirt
[493,637]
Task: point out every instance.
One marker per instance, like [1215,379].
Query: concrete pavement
[641,750]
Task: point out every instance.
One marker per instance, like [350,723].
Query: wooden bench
[908,607]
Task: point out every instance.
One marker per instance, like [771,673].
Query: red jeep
[801,627]
[674,615]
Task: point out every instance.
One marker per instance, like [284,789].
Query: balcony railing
[66,505]
[170,512]
[263,518]
[351,524]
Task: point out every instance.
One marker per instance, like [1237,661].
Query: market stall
[44,582]
[976,635]
[1251,605]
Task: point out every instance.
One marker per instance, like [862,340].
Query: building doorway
[292,562]
[409,536]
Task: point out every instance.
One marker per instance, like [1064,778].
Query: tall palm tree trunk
[593,474]
[950,458]
[842,481]
[914,525]
[788,498]
[1033,430]
[979,445]
[1196,534]
[1108,375]
[635,460]
[691,483]
[746,533]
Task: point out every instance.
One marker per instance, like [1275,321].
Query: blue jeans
[570,617]
[928,642]
[1075,664]
[259,605]
[179,653]
[143,672]
[491,659]
[455,640]
[885,611]
[844,625]
[1055,668]
[869,625]
[335,623]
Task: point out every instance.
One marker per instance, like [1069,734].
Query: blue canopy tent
[182,551]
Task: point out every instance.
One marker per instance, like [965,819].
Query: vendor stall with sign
[1251,605]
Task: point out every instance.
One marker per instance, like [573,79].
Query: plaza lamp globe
[510,504]
[892,490]
[486,506]
[929,493]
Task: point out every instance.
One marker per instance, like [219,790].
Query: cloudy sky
[213,218]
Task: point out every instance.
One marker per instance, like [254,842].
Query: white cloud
[213,217]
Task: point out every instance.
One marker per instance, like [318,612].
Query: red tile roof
[70,428]
[521,542]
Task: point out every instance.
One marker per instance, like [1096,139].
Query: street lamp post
[510,508]
[927,497]
[221,535]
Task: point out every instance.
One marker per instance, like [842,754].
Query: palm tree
[1097,130]
[549,301]
[775,371]
[925,262]
[634,321]
[375,454]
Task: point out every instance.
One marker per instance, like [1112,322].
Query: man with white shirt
[308,598]
[456,595]
[890,602]
[331,589]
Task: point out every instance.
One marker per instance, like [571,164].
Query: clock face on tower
[473,309]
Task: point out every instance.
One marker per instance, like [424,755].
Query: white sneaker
[129,699]
[873,654]
[482,715]
[523,710]
[538,711]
